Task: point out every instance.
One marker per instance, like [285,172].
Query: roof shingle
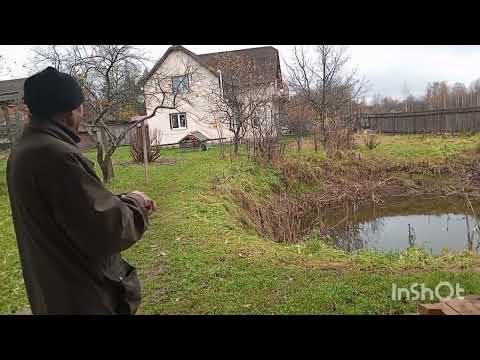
[266,59]
[11,89]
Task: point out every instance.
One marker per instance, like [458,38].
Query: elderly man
[70,229]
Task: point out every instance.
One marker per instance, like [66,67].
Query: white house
[194,76]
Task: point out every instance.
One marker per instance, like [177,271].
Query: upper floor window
[180,84]
[178,121]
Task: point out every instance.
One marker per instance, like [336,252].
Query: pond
[399,223]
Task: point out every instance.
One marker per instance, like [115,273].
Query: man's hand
[150,204]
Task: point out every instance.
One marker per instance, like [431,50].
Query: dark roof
[11,89]
[266,60]
[197,135]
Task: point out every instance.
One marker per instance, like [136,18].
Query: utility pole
[145,155]
[144,130]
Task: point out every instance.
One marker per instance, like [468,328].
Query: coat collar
[56,129]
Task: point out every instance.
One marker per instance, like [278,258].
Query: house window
[180,84]
[178,121]
[256,121]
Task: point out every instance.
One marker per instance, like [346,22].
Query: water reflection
[433,224]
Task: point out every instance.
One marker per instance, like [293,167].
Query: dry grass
[339,140]
[370,140]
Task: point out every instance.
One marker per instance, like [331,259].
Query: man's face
[74,118]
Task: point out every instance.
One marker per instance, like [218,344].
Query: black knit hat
[51,91]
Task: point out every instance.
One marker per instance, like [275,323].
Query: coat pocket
[131,290]
[128,289]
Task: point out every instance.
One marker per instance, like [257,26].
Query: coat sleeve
[98,222]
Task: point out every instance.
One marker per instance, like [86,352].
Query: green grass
[401,147]
[197,259]
[420,147]
[12,290]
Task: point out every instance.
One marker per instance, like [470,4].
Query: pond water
[399,223]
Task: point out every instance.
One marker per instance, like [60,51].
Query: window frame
[182,89]
[177,115]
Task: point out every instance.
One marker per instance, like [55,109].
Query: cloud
[386,67]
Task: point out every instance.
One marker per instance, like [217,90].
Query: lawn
[197,258]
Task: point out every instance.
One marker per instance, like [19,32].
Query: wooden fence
[435,121]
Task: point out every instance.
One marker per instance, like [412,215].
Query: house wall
[198,109]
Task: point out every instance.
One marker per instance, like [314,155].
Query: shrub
[371,140]
[337,138]
[136,146]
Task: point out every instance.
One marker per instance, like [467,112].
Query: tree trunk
[104,159]
[299,143]
[315,140]
[236,140]
[106,166]
[325,134]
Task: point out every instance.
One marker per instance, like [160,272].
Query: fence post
[145,153]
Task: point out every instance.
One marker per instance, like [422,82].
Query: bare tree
[5,70]
[266,129]
[240,95]
[152,141]
[109,76]
[299,119]
[323,80]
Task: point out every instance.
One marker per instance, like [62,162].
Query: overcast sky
[387,67]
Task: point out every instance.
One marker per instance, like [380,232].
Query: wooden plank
[430,309]
[436,309]
[447,310]
[472,309]
[476,304]
[462,307]
[474,300]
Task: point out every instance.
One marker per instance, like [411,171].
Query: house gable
[169,51]
[178,62]
[266,58]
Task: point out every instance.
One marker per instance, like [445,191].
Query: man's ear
[69,119]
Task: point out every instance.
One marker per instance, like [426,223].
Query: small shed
[194,140]
[13,113]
